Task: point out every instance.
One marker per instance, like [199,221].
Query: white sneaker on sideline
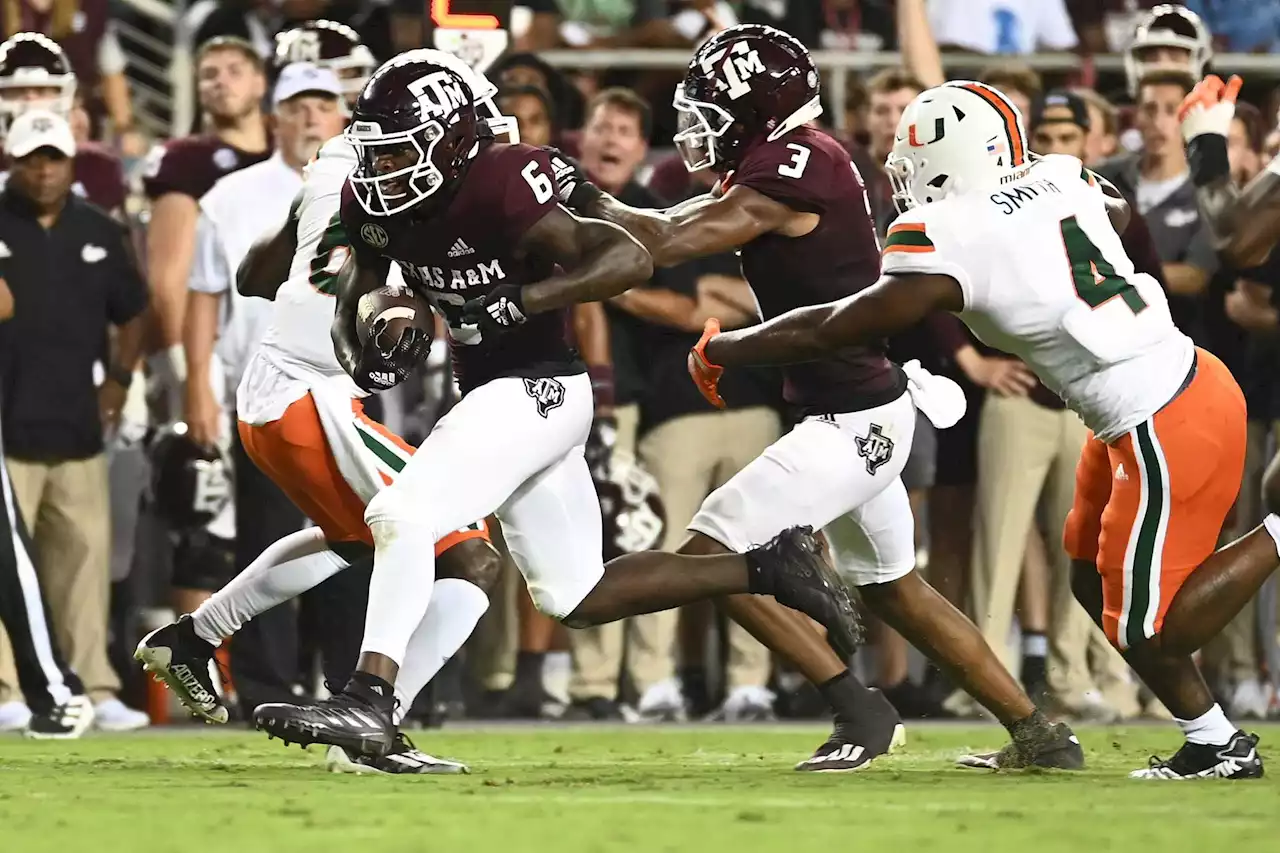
[112,715]
[663,703]
[14,716]
[749,704]
[1249,701]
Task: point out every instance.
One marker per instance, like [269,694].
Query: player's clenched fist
[497,311]
[574,190]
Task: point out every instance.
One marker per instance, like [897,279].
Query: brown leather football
[386,313]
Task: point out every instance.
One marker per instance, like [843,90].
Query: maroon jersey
[810,172]
[101,174]
[469,248]
[192,165]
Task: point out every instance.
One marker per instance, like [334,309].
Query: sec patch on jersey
[386,314]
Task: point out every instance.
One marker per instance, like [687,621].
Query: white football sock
[456,606]
[287,568]
[404,572]
[1212,727]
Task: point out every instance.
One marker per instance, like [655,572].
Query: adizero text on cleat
[180,659]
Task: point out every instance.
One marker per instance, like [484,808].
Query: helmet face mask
[34,74]
[700,124]
[415,131]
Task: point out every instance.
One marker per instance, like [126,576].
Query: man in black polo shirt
[72,275]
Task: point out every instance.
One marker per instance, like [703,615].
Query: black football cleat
[357,719]
[1239,759]
[1056,747]
[67,721]
[855,743]
[180,659]
[403,759]
[794,570]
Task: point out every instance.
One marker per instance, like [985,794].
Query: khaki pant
[1026,452]
[67,507]
[689,456]
[491,653]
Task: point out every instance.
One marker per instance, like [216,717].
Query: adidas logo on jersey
[460,248]
[1121,474]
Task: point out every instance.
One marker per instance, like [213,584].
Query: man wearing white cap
[307,111]
[72,277]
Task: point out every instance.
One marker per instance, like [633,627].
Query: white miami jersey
[304,304]
[1045,278]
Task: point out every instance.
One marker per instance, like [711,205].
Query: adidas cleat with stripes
[855,743]
[1056,747]
[180,659]
[403,759]
[62,722]
[343,720]
[1238,759]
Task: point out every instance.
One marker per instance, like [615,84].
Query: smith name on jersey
[1045,278]
[471,247]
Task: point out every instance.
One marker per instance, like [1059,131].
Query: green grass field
[703,788]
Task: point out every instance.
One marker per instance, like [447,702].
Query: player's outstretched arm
[709,225]
[893,304]
[599,260]
[1245,222]
[266,265]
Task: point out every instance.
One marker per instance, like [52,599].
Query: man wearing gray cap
[62,386]
[308,110]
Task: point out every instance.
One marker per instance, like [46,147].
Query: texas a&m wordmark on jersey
[1045,278]
[466,251]
[810,172]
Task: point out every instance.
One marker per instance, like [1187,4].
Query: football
[386,313]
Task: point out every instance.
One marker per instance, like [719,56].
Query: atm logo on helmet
[741,63]
[939,131]
[439,93]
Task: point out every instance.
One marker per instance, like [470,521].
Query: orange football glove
[705,374]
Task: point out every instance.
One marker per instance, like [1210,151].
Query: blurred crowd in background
[116,557]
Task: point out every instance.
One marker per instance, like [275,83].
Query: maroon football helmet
[329,45]
[747,83]
[415,132]
[34,73]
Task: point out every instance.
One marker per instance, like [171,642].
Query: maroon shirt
[468,249]
[192,165]
[809,171]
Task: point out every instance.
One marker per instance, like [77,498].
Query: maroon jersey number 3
[810,172]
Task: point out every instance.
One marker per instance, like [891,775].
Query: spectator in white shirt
[1002,26]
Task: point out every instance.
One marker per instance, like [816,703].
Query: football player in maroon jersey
[35,73]
[790,199]
[468,219]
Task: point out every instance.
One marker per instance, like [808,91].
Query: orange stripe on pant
[1150,506]
[294,452]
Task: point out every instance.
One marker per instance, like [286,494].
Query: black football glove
[375,370]
[499,310]
[574,190]
[600,443]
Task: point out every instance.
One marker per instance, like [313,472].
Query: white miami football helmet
[1168,37]
[952,139]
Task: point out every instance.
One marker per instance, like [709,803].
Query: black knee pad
[203,561]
